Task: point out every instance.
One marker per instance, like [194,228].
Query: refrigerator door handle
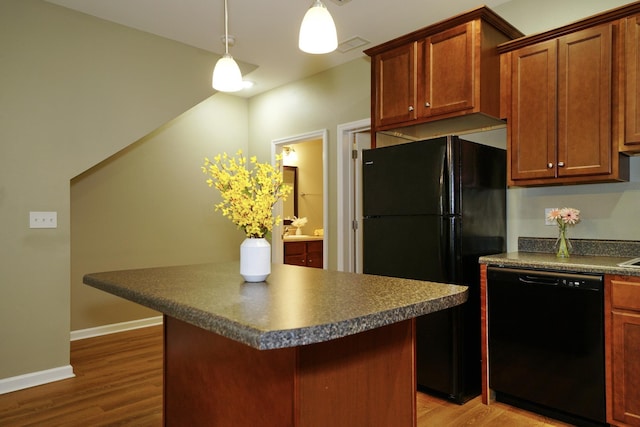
[447,181]
[449,247]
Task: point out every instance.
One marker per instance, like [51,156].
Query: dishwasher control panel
[563,279]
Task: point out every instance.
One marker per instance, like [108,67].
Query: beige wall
[323,101]
[310,192]
[535,16]
[149,205]
[73,91]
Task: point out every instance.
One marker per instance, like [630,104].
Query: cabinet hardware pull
[427,104]
[549,165]
[560,164]
[410,107]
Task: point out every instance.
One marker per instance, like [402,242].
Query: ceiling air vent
[352,43]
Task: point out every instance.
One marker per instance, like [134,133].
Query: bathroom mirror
[290,206]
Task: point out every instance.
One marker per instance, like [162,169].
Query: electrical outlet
[546,214]
[43,219]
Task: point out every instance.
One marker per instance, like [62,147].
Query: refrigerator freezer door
[406,179]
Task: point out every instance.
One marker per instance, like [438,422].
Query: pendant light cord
[226,29]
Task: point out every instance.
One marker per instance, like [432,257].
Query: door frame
[346,243]
[277,249]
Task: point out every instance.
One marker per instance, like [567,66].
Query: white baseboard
[115,327]
[33,379]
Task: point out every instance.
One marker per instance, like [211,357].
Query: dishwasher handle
[531,279]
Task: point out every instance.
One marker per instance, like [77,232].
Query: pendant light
[318,31]
[226,74]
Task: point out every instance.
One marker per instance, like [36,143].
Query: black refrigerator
[431,208]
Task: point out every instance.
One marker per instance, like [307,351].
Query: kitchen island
[308,347]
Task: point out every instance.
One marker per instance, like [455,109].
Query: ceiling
[266,31]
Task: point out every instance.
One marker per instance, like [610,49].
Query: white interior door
[361,141]
[353,136]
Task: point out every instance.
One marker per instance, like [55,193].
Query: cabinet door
[295,253]
[314,254]
[626,368]
[395,78]
[584,102]
[632,78]
[623,350]
[448,60]
[532,135]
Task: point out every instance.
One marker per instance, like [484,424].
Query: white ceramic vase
[255,259]
[298,231]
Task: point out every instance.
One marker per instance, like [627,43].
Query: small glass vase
[563,244]
[255,259]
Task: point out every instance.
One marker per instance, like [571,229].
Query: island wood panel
[213,380]
[363,379]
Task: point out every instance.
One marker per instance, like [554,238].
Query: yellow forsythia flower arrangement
[248,196]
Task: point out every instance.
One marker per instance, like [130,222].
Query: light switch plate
[43,219]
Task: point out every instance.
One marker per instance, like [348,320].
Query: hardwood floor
[434,412]
[119,383]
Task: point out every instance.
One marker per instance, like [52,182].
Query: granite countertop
[577,263]
[589,256]
[295,306]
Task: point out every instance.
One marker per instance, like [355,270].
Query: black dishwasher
[546,342]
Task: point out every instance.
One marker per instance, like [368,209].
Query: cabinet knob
[560,164]
[549,165]
[427,104]
[410,107]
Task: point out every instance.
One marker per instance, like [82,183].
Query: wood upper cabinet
[448,81]
[446,70]
[558,96]
[532,117]
[396,85]
[622,342]
[631,142]
[561,107]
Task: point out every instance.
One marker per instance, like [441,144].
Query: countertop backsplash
[588,247]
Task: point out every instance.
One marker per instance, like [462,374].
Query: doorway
[353,137]
[312,196]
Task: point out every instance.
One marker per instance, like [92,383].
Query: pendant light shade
[226,74]
[318,31]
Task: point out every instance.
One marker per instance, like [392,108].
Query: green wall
[73,91]
[149,205]
[339,95]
